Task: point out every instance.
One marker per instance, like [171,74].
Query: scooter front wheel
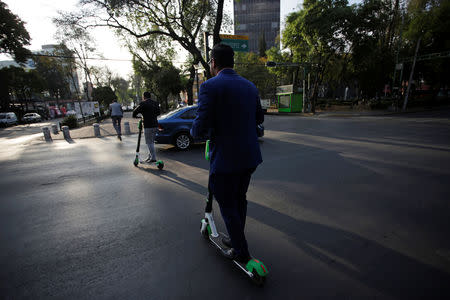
[257,279]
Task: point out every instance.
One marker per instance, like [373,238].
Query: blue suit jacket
[229,110]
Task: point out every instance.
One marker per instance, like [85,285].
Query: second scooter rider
[149,109]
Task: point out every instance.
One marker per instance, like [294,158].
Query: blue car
[174,127]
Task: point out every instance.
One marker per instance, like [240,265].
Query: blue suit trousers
[230,192]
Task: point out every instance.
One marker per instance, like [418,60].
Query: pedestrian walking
[229,111]
[149,109]
[116,117]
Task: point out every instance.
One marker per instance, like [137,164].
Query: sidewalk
[106,129]
[355,113]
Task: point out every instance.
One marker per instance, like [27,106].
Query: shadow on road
[384,269]
[173,178]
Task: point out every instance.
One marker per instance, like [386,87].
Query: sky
[38,14]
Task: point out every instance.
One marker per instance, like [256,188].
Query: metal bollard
[54,129]
[66,132]
[47,135]
[96,130]
[127,128]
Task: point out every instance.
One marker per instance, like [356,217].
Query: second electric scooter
[159,163]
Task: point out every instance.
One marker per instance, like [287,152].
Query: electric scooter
[158,163]
[254,268]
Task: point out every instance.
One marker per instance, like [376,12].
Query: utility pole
[405,103]
[396,61]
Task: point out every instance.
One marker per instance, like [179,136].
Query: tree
[104,95]
[165,82]
[69,69]
[284,75]
[316,34]
[13,35]
[162,79]
[152,60]
[181,21]
[428,20]
[137,84]
[262,45]
[252,67]
[120,86]
[56,81]
[20,84]
[102,75]
[80,42]
[372,55]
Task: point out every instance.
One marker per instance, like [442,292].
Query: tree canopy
[13,35]
[357,45]
[180,21]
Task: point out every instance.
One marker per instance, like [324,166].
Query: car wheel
[183,141]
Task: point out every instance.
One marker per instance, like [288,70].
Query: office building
[255,18]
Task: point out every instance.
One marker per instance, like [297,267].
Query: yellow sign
[233,37]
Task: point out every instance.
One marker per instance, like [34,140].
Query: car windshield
[171,113]
[28,115]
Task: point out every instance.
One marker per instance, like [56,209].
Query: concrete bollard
[47,135]
[96,130]
[66,132]
[54,129]
[127,128]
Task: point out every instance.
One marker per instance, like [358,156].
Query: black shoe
[119,137]
[229,253]
[226,241]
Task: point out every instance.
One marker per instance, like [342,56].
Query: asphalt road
[341,208]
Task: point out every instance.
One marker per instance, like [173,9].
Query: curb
[350,114]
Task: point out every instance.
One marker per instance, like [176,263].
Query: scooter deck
[159,164]
[217,241]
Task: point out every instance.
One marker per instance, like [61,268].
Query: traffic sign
[237,42]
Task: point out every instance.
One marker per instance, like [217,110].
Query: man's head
[146,96]
[222,56]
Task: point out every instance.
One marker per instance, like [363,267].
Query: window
[190,114]
[285,101]
[242,26]
[274,25]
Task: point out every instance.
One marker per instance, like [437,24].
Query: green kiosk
[290,98]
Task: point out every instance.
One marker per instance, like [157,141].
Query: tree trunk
[218,24]
[190,85]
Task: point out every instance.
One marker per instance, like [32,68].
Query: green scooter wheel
[136,162]
[257,279]
[160,164]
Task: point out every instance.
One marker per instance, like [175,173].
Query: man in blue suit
[229,111]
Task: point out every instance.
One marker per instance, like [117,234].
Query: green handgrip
[207,156]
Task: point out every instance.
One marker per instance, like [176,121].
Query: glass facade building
[256,17]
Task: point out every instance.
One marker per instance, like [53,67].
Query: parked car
[174,127]
[31,118]
[8,118]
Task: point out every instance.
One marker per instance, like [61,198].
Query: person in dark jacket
[149,109]
[230,108]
